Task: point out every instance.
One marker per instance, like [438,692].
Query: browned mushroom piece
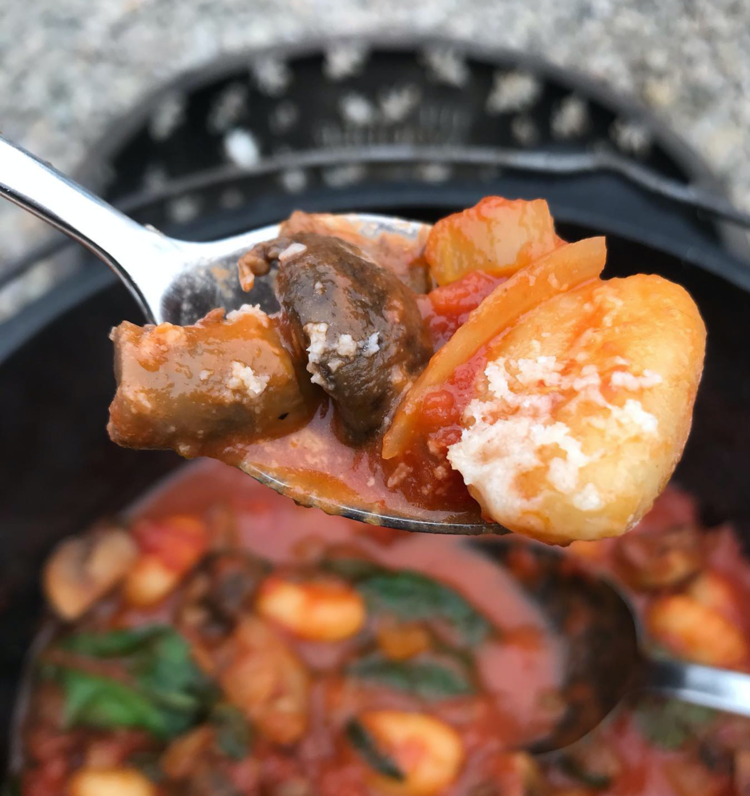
[82,570]
[402,255]
[356,324]
[185,387]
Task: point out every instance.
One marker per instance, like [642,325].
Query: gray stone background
[68,67]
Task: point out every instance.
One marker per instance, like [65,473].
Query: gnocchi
[110,782]
[428,751]
[324,610]
[696,631]
[582,409]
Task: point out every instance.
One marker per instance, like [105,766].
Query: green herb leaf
[669,723]
[365,744]
[413,596]
[234,735]
[165,692]
[100,702]
[165,669]
[426,679]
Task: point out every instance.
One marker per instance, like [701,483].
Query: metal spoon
[607,654]
[180,281]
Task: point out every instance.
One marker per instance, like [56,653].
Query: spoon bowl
[607,654]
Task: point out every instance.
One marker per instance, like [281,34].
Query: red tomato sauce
[639,751]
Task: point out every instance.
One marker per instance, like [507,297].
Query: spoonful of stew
[474,376]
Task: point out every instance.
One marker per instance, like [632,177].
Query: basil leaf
[669,723]
[411,595]
[426,679]
[167,696]
[365,744]
[234,736]
[95,701]
[165,669]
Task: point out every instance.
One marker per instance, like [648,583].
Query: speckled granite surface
[70,66]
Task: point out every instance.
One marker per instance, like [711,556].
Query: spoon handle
[700,685]
[127,247]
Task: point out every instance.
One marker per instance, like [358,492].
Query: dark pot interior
[60,471]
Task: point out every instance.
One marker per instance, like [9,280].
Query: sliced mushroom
[81,570]
[356,323]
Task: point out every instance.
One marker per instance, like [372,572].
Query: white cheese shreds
[346,346]
[513,430]
[634,412]
[623,378]
[292,250]
[205,375]
[318,287]
[343,348]
[588,499]
[243,379]
[401,472]
[370,347]
[318,345]
[248,309]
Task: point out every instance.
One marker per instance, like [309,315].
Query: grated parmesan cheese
[248,309]
[346,347]
[318,345]
[623,378]
[243,380]
[370,346]
[588,499]
[634,413]
[513,431]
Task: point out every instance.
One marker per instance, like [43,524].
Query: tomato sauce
[647,748]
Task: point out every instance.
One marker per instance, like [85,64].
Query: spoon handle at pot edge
[700,685]
[128,248]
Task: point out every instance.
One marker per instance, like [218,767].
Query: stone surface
[70,66]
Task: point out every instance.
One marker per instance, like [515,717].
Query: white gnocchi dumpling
[582,408]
